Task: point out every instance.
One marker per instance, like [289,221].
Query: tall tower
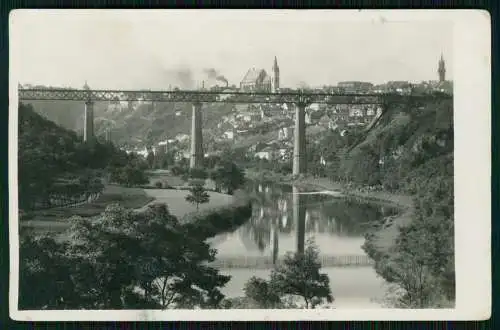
[441,69]
[276,76]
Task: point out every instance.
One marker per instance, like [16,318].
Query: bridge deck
[220,97]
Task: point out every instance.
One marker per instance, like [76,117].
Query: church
[257,80]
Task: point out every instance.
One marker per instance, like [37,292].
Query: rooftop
[252,75]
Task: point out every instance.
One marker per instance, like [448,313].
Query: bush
[158,185]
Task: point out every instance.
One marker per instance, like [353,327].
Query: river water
[284,218]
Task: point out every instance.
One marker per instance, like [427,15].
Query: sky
[155,49]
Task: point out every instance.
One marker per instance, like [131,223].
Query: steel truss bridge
[299,97]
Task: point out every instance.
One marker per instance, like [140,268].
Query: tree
[259,292]
[172,267]
[121,249]
[198,173]
[150,158]
[198,195]
[299,276]
[227,176]
[421,262]
[44,280]
[129,175]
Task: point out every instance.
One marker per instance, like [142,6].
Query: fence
[68,202]
[264,262]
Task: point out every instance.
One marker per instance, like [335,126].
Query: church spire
[276,76]
[441,69]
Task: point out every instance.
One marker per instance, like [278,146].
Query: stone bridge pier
[196,159]
[299,150]
[88,127]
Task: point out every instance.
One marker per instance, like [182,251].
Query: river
[284,218]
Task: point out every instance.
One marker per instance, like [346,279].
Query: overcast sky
[150,50]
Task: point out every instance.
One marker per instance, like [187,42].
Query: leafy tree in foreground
[259,292]
[198,195]
[299,276]
[44,281]
[121,259]
[172,267]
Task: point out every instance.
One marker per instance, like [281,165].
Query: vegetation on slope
[416,149]
[53,162]
[410,151]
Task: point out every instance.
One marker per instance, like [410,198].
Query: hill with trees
[54,163]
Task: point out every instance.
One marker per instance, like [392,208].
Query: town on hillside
[274,123]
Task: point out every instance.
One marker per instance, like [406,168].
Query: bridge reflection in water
[257,245]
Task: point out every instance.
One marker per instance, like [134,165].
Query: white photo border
[472,166]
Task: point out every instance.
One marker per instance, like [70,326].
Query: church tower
[276,76]
[441,69]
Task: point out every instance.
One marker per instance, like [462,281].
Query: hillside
[411,152]
[54,160]
[405,140]
[135,124]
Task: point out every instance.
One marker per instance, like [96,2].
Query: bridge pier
[299,150]
[299,218]
[196,159]
[88,128]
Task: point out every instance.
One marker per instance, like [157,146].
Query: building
[355,87]
[399,86]
[266,153]
[324,121]
[356,111]
[229,135]
[257,80]
[249,116]
[182,137]
[161,148]
[285,133]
